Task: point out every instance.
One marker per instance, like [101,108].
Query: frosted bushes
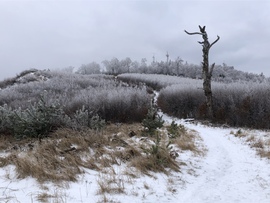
[236,104]
[84,117]
[38,120]
[96,96]
[181,100]
[5,113]
[242,104]
[123,104]
[116,104]
[254,108]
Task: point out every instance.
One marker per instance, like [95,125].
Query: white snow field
[229,172]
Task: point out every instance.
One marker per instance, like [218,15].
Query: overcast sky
[59,33]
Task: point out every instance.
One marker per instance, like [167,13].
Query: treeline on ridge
[177,67]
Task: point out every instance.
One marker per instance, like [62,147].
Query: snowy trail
[231,171]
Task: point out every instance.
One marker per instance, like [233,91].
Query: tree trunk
[207,74]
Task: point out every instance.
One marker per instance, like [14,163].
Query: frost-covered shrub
[108,97]
[115,103]
[7,82]
[152,122]
[122,104]
[244,104]
[175,130]
[236,104]
[181,100]
[5,115]
[38,120]
[86,118]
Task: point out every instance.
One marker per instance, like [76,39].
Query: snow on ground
[230,172]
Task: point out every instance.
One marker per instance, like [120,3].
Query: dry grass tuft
[55,196]
[264,153]
[261,145]
[159,161]
[188,142]
[5,142]
[110,183]
[124,128]
[251,139]
[240,133]
[105,199]
[258,144]
[45,197]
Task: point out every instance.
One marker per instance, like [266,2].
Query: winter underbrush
[181,100]
[50,100]
[235,104]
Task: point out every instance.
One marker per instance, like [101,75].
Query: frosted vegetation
[46,100]
[36,102]
[237,104]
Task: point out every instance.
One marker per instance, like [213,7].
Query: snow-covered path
[230,172]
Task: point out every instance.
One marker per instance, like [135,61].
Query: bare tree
[207,73]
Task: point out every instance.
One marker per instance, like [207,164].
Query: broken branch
[193,33]
[214,41]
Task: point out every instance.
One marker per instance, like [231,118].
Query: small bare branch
[202,29]
[212,68]
[214,41]
[193,33]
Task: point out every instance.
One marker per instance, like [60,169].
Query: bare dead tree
[207,73]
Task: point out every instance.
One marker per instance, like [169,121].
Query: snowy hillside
[100,151]
[230,171]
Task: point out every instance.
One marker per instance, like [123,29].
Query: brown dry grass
[110,183]
[65,153]
[264,153]
[258,144]
[187,142]
[262,146]
[62,155]
[4,142]
[105,199]
[58,158]
[240,133]
[125,129]
[152,160]
[149,164]
[45,197]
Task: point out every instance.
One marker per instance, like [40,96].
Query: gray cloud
[49,34]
